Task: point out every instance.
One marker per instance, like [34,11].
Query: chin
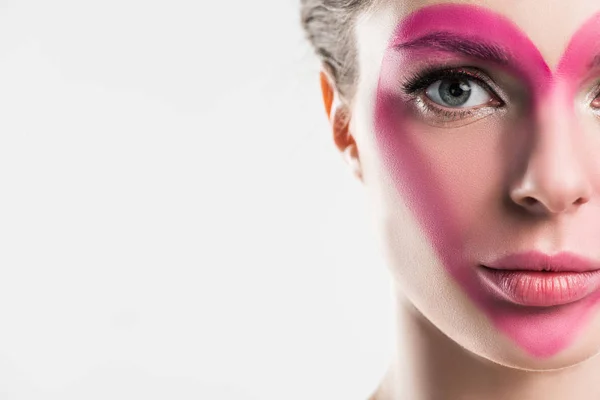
[499,349]
[530,343]
[577,354]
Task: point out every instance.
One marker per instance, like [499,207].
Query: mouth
[536,279]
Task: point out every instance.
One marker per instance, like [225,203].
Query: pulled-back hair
[329,27]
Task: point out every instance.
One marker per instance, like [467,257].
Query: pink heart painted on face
[541,334]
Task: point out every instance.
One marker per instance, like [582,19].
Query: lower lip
[540,289]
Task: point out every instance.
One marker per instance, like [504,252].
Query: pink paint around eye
[482,25]
[583,48]
[540,333]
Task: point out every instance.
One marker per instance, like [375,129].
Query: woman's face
[478,133]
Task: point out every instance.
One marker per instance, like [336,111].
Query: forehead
[548,24]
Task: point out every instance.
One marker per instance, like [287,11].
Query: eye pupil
[457,88]
[455,92]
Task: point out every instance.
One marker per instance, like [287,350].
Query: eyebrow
[459,44]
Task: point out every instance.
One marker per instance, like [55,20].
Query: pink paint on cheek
[542,333]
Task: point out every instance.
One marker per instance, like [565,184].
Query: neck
[430,366]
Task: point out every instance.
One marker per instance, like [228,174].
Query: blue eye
[458,93]
[449,97]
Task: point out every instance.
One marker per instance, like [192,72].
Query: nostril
[529,201]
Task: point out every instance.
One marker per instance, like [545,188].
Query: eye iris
[455,92]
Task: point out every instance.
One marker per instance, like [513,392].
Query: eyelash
[415,85]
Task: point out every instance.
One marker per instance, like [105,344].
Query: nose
[555,179]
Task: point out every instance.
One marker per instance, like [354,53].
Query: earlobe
[338,114]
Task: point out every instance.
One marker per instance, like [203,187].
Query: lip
[540,280]
[538,261]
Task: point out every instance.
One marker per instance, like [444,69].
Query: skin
[444,194]
[405,144]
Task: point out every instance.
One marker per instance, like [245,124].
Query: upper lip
[538,261]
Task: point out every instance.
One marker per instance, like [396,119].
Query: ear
[338,114]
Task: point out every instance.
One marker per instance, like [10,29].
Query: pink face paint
[583,51]
[542,332]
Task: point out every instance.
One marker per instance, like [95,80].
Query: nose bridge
[555,178]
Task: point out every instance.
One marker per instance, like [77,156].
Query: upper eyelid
[477,74]
[593,92]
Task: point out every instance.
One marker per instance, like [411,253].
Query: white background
[175,222]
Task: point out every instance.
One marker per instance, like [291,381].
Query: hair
[329,27]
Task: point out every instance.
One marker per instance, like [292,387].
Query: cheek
[448,177]
[426,176]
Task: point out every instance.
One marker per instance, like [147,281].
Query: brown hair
[329,27]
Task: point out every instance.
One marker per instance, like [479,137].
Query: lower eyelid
[492,103]
[448,115]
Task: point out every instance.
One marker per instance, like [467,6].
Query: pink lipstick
[539,280]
